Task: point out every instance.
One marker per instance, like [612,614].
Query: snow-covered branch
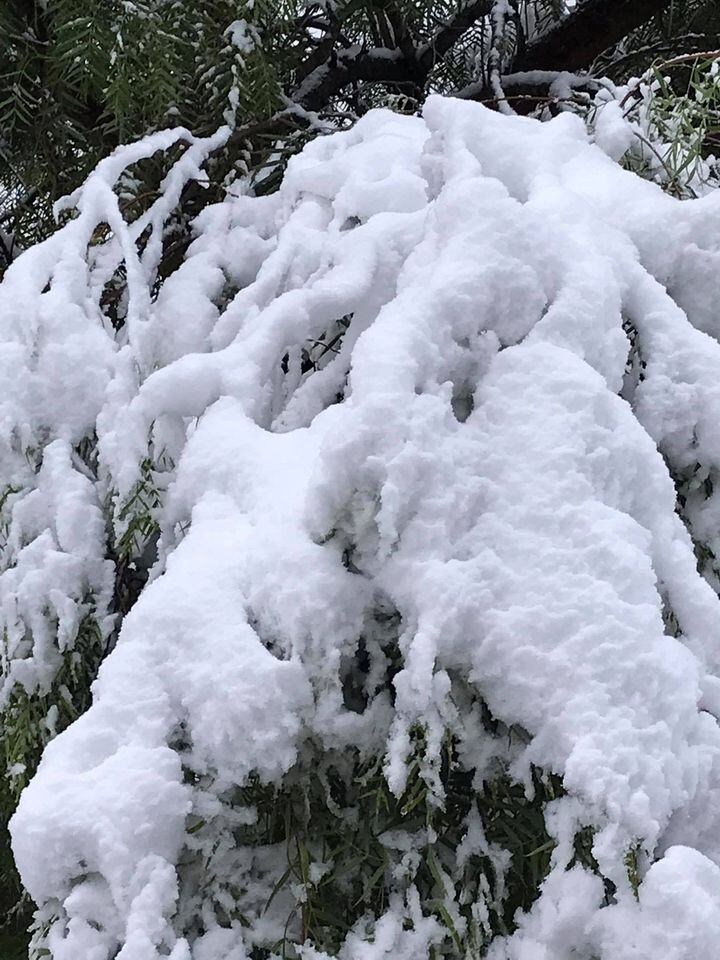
[409,436]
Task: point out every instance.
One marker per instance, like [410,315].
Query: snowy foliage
[419,456]
[661,129]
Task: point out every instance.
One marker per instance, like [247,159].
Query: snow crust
[529,359]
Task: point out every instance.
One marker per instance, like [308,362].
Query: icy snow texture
[493,472]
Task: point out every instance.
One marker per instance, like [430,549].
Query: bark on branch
[449,34]
[582,36]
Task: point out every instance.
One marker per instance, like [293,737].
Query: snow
[496,473]
[53,562]
[677,914]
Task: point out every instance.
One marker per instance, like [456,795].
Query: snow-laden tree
[391,510]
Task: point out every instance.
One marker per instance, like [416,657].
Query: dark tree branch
[401,33]
[449,34]
[582,36]
[345,67]
[385,64]
[316,59]
[571,45]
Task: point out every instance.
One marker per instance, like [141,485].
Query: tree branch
[583,35]
[449,34]
[385,65]
[379,65]
[571,45]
